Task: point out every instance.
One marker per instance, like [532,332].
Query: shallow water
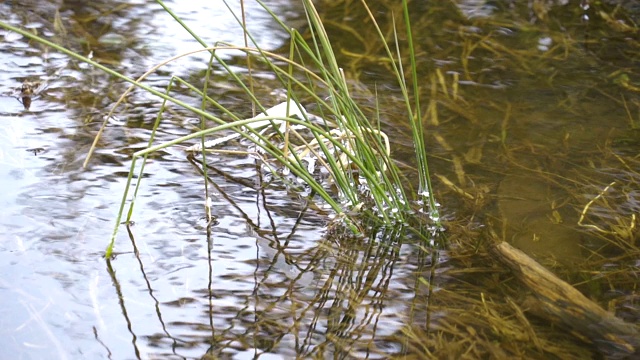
[266,281]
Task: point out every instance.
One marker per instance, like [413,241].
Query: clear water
[266,281]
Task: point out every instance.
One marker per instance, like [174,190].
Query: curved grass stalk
[138,82]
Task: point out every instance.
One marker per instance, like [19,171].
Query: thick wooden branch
[559,302]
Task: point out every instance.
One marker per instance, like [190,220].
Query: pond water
[545,115]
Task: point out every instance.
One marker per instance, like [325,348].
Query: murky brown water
[545,117]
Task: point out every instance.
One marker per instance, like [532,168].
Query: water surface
[541,122]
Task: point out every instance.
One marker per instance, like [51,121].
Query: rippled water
[266,281]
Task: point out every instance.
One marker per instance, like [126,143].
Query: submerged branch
[562,304]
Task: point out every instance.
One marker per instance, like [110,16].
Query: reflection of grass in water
[341,298]
[351,294]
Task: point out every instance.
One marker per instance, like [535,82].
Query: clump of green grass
[346,142]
